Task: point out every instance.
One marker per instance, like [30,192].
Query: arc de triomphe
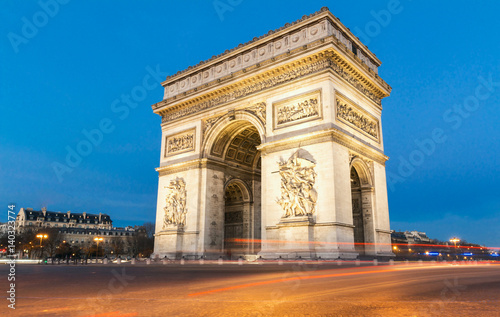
[275,148]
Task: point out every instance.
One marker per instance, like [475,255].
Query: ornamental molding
[181,142]
[259,110]
[326,60]
[330,135]
[352,115]
[298,195]
[297,109]
[208,124]
[320,26]
[365,161]
[175,209]
[245,172]
[229,177]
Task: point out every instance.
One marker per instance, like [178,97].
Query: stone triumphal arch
[275,148]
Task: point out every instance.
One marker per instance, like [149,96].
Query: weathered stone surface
[275,142]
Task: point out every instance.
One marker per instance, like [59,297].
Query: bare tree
[141,244]
[149,229]
[117,245]
[53,240]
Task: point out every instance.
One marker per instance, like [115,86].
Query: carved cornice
[303,30]
[334,224]
[324,136]
[205,163]
[325,60]
[179,167]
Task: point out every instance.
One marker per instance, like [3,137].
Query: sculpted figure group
[175,210]
[298,196]
[180,143]
[359,120]
[301,110]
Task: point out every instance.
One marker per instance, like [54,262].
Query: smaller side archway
[362,193]
[237,218]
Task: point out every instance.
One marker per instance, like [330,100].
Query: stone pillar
[368,220]
[212,216]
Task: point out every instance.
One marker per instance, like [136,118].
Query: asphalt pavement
[291,289]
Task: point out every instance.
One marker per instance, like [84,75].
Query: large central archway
[233,143]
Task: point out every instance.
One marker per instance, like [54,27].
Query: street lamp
[455,240]
[41,236]
[97,239]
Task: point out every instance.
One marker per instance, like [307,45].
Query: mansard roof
[60,216]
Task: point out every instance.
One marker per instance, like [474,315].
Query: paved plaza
[290,289]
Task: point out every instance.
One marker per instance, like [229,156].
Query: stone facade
[277,145]
[78,229]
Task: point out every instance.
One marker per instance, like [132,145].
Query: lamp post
[41,236]
[455,240]
[97,239]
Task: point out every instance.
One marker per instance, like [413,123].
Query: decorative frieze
[175,209]
[326,60]
[248,54]
[298,196]
[180,143]
[357,118]
[247,90]
[297,109]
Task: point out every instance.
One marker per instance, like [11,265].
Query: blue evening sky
[62,71]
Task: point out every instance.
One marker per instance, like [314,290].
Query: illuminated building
[275,146]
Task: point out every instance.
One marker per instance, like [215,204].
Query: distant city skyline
[77,131]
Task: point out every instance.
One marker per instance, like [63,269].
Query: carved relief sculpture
[175,209]
[297,109]
[301,110]
[357,118]
[180,143]
[298,196]
[259,109]
[208,124]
